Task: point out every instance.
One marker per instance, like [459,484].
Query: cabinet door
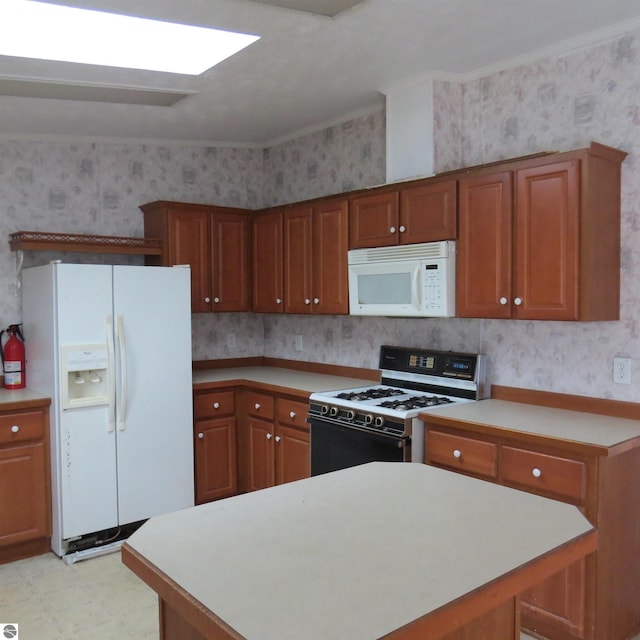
[557,604]
[261,460]
[373,220]
[330,246]
[297,260]
[546,276]
[293,459]
[230,262]
[428,213]
[484,248]
[267,266]
[23,494]
[188,240]
[215,459]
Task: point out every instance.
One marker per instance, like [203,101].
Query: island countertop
[358,553]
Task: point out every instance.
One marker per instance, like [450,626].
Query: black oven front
[336,446]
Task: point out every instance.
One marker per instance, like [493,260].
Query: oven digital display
[459,367]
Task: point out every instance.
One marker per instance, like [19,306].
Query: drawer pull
[278,438]
[535,472]
[201,436]
[269,436]
[257,405]
[292,414]
[15,428]
[216,405]
[457,453]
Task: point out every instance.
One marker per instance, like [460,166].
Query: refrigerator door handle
[111,422]
[122,352]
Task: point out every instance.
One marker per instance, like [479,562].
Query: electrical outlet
[298,343]
[622,370]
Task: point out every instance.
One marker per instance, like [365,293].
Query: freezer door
[85,463]
[152,316]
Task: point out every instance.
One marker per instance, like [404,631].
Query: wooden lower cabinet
[215,445]
[275,443]
[590,600]
[25,495]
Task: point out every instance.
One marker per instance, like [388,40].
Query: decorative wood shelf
[44,241]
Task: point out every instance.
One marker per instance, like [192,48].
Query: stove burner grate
[415,402]
[374,393]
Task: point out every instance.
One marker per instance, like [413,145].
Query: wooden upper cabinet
[330,246]
[539,238]
[230,245]
[267,263]
[374,220]
[484,247]
[315,257]
[420,213]
[214,241]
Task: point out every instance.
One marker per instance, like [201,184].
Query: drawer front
[461,454]
[21,427]
[548,474]
[214,403]
[260,405]
[293,413]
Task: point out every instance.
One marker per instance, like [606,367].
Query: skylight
[30,29]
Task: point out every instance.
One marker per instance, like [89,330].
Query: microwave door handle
[417,274]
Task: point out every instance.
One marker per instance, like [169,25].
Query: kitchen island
[383,550]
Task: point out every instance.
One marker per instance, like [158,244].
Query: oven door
[335,447]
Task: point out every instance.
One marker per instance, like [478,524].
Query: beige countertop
[574,426]
[12,398]
[355,554]
[303,381]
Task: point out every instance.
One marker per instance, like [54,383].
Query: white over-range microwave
[412,280]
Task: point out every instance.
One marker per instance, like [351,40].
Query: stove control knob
[368,418]
[350,414]
[333,412]
[378,421]
[324,409]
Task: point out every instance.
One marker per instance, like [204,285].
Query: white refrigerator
[111,345]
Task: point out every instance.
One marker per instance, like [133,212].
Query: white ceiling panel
[305,70]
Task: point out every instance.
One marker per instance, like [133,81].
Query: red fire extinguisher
[13,361]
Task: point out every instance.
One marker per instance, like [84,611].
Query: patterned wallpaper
[557,103]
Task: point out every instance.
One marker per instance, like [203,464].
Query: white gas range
[354,426]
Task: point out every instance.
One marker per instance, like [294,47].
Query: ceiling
[306,71]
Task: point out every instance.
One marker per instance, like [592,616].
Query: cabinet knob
[316,301]
[269,436]
[201,436]
[278,438]
[307,301]
[278,301]
[392,229]
[207,300]
[216,299]
[216,405]
[402,228]
[503,300]
[535,472]
[292,414]
[257,405]
[517,301]
[15,428]
[457,453]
